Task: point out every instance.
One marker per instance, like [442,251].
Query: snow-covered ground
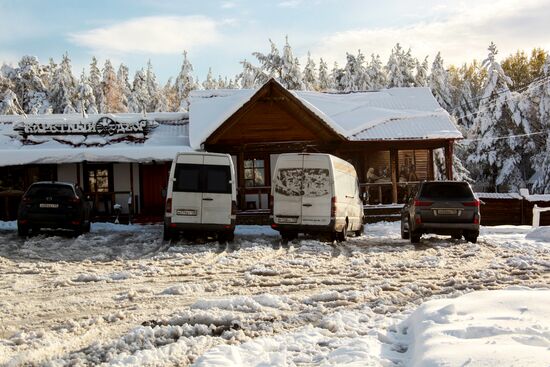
[120,296]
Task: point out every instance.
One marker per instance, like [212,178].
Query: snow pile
[540,234]
[489,328]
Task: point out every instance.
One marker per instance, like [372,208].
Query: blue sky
[219,34]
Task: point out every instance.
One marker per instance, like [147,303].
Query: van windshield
[308,182]
[213,179]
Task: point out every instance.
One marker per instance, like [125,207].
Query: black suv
[441,207]
[53,205]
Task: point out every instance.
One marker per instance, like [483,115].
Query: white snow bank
[486,328]
[540,234]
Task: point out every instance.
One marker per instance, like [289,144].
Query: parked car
[201,198]
[53,205]
[441,207]
[315,193]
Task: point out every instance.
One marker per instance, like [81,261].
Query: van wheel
[341,236]
[360,231]
[167,234]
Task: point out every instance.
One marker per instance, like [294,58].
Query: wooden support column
[131,207]
[449,159]
[78,174]
[241,186]
[393,164]
[430,164]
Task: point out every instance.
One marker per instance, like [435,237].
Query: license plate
[49,205]
[287,219]
[446,211]
[187,212]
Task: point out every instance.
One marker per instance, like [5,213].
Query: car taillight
[333,207]
[417,219]
[75,200]
[474,203]
[169,205]
[233,207]
[422,203]
[476,219]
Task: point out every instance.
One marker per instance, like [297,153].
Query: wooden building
[389,136]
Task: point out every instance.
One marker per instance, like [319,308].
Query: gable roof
[389,114]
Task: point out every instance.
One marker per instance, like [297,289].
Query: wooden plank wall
[511,212]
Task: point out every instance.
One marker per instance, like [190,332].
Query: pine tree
[310,78]
[324,78]
[395,68]
[439,83]
[63,88]
[85,96]
[8,103]
[376,73]
[139,97]
[122,77]
[94,80]
[29,86]
[209,82]
[271,64]
[171,98]
[251,76]
[112,90]
[291,75]
[336,75]
[184,83]
[157,101]
[497,155]
[421,77]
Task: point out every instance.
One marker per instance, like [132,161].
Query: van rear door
[317,190]
[187,190]
[287,193]
[216,198]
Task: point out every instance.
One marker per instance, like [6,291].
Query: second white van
[315,193]
[201,196]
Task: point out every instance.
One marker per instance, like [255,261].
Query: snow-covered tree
[324,77]
[171,98]
[85,96]
[112,90]
[94,80]
[8,103]
[497,154]
[251,76]
[271,64]
[63,88]
[29,87]
[400,68]
[210,82]
[140,95]
[185,83]
[439,83]
[377,76]
[421,77]
[310,81]
[123,80]
[291,75]
[336,75]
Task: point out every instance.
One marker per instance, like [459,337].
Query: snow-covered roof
[499,195]
[538,197]
[166,135]
[389,114]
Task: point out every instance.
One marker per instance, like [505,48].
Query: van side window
[187,178]
[217,179]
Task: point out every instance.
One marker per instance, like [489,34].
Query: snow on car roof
[169,135]
[396,113]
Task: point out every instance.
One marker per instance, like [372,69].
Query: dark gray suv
[53,205]
[441,207]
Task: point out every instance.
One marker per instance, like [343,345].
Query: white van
[201,196]
[315,193]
